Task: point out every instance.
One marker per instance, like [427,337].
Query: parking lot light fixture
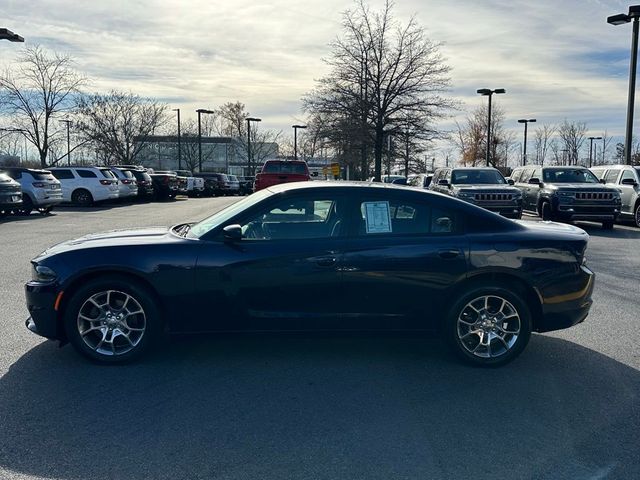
[6,34]
[200,111]
[487,92]
[179,149]
[621,19]
[591,139]
[249,120]
[524,149]
[295,139]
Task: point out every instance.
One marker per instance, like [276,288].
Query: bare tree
[471,138]
[381,72]
[542,139]
[113,121]
[573,137]
[606,143]
[36,90]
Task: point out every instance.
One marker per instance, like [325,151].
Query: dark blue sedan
[318,256]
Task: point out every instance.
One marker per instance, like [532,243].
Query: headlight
[466,196]
[42,274]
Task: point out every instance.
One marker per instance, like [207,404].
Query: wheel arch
[128,275]
[508,281]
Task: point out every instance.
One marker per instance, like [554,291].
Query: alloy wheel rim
[488,326]
[111,322]
[638,216]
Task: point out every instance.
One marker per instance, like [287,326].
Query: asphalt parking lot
[356,407]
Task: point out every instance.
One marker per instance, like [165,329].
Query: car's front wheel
[636,215]
[545,211]
[112,320]
[489,326]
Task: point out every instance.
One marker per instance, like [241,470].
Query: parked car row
[603,194]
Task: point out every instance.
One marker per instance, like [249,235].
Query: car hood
[115,238]
[470,188]
[591,187]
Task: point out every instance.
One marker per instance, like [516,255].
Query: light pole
[295,139]
[179,149]
[620,19]
[603,146]
[6,34]
[249,120]
[591,139]
[524,149]
[68,122]
[200,111]
[489,93]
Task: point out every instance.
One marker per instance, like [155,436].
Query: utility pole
[68,122]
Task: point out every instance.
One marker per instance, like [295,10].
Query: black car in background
[482,186]
[567,193]
[146,189]
[318,256]
[165,185]
[246,185]
[215,184]
[10,194]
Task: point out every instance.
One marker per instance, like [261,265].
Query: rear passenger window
[628,174]
[86,174]
[526,175]
[398,217]
[611,176]
[515,176]
[63,174]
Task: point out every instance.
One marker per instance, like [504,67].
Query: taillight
[39,185]
[105,182]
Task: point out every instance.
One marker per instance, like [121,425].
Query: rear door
[403,252]
[67,182]
[629,192]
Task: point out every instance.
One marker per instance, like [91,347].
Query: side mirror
[628,181]
[534,180]
[443,182]
[601,180]
[232,233]
[510,181]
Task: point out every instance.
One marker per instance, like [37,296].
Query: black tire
[636,215]
[607,225]
[454,327]
[119,286]
[82,197]
[27,205]
[545,211]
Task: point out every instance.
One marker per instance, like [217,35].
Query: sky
[556,59]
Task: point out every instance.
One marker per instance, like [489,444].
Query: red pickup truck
[281,171]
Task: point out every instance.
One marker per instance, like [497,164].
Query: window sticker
[377,217]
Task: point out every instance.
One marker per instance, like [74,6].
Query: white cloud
[556,59]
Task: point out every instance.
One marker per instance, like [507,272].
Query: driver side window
[296,218]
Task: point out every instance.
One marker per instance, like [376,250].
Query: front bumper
[566,305]
[40,303]
[586,211]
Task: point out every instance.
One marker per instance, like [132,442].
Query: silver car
[40,189]
[625,178]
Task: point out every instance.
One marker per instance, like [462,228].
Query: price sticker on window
[377,217]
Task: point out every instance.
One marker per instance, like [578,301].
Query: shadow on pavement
[265,407]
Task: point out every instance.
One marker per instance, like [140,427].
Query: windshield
[568,175]
[205,226]
[475,177]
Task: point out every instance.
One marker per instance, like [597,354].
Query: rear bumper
[40,303]
[568,307]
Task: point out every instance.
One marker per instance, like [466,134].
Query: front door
[284,274]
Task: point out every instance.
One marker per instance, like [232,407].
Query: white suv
[86,185]
[128,186]
[40,189]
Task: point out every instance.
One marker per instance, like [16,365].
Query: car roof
[317,184]
[472,168]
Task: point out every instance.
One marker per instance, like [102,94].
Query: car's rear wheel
[82,197]
[112,320]
[636,215]
[489,326]
[545,211]
[27,205]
